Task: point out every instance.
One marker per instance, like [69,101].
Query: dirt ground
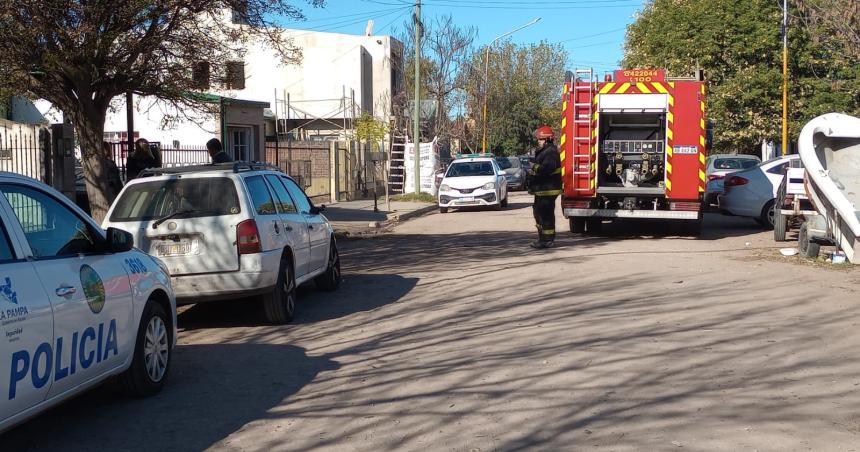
[452,334]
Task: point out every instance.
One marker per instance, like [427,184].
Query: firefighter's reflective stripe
[547,193]
[557,171]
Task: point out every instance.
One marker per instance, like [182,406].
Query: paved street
[451,334]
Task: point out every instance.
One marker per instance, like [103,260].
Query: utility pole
[487,77]
[416,114]
[784,77]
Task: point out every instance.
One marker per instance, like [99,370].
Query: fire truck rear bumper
[611,213]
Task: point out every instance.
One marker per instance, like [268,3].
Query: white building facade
[339,77]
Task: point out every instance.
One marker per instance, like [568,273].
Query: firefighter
[545,185]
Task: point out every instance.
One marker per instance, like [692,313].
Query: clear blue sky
[591,30]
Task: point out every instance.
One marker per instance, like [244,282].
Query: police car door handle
[64,291]
[310,226]
[288,228]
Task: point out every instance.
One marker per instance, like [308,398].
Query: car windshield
[508,162]
[467,169]
[734,163]
[177,198]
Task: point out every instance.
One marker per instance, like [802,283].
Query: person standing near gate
[113,177]
[216,151]
[141,159]
[545,185]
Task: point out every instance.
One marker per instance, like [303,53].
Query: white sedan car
[752,192]
[78,304]
[474,180]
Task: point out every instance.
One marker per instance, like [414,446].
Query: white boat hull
[830,150]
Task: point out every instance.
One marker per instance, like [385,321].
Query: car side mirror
[119,241]
[500,173]
[316,210]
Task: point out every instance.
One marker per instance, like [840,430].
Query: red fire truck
[632,146]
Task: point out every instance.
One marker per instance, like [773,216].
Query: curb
[395,217]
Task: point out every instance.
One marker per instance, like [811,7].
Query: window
[284,202]
[735,163]
[239,12]
[298,195]
[260,196]
[468,169]
[779,169]
[240,143]
[201,75]
[194,197]
[51,228]
[6,253]
[235,76]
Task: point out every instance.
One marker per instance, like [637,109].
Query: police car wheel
[330,280]
[152,353]
[280,304]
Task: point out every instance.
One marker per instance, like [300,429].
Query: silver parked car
[515,174]
[230,231]
[718,166]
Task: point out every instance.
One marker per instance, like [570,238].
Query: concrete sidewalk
[357,218]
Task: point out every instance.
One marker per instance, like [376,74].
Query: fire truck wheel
[594,225]
[694,227]
[577,225]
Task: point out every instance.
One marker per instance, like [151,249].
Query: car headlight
[444,187]
[489,186]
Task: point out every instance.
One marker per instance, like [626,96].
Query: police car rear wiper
[157,222]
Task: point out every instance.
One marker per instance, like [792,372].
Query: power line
[592,35]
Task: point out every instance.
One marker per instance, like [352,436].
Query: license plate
[468,199]
[173,249]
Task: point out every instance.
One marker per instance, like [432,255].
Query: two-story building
[318,98]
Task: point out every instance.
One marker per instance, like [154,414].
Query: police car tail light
[248,237]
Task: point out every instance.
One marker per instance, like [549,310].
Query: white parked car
[474,180]
[720,165]
[77,304]
[752,192]
[229,231]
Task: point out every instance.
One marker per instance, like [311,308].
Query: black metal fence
[22,148]
[168,157]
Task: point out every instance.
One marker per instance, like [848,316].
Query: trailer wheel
[780,225]
[594,225]
[807,247]
[577,225]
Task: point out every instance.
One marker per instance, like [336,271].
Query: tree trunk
[99,191]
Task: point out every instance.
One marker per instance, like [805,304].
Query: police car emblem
[94,289]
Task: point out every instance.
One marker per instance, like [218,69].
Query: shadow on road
[213,391]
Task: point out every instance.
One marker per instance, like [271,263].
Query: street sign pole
[416,114]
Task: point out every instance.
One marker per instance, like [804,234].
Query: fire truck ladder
[583,112]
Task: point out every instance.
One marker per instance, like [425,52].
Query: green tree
[368,128]
[523,89]
[738,44]
[81,54]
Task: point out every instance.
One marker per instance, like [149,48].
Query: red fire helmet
[544,132]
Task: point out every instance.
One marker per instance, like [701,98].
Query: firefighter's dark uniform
[545,184]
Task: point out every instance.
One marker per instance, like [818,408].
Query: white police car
[77,304]
[473,180]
